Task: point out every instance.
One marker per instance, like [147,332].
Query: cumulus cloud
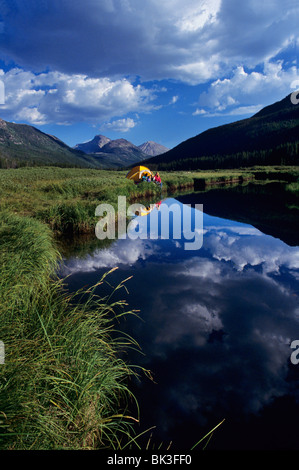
[199,112]
[80,53]
[41,98]
[120,125]
[256,89]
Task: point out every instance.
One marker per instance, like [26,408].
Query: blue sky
[144,69]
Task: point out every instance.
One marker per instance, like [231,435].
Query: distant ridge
[119,152]
[24,145]
[270,137]
[112,153]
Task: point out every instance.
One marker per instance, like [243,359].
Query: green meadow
[65,383]
[65,199]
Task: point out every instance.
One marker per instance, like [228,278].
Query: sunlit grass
[66,198]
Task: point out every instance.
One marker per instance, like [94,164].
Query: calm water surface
[215,326]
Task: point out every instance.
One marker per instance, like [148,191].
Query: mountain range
[270,137]
[119,152]
[25,145]
[112,153]
[98,145]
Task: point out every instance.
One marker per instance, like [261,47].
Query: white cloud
[41,98]
[31,115]
[198,112]
[196,18]
[174,99]
[120,125]
[197,72]
[253,89]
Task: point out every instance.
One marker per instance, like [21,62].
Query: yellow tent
[138,172]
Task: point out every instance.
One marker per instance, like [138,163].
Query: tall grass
[66,198]
[64,384]
[293,188]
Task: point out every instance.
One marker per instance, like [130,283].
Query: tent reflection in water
[137,173]
[142,210]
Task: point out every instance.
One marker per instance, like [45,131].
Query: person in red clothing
[157,178]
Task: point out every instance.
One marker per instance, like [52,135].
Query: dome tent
[138,172]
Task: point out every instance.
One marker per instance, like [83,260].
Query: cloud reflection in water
[217,322]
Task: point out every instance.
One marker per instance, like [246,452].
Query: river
[216,322]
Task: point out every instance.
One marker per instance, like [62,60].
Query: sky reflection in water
[216,330]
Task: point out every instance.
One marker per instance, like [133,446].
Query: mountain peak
[120,145]
[94,145]
[112,153]
[152,148]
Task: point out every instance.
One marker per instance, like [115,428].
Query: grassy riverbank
[65,199]
[63,384]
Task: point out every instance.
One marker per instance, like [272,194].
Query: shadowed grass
[293,188]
